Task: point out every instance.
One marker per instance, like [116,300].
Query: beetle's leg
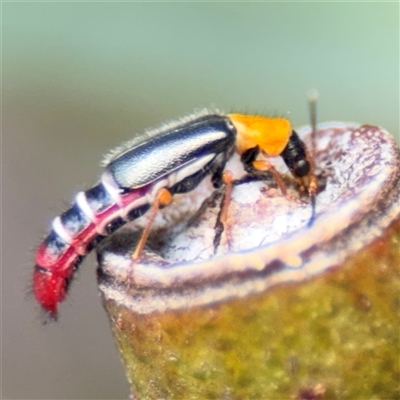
[221,224]
[163,198]
[264,165]
[227,178]
[255,167]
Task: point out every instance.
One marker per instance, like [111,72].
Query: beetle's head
[300,165]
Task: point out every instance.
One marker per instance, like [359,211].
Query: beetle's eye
[302,168]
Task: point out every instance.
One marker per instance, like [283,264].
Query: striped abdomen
[94,214]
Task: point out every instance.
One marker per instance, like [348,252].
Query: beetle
[145,173]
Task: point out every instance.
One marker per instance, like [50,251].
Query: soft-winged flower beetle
[144,174]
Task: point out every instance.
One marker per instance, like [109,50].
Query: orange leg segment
[264,165]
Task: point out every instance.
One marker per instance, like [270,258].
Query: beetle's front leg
[256,167]
[264,165]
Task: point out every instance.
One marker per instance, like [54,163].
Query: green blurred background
[79,78]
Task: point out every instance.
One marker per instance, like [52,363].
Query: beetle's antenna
[312,105]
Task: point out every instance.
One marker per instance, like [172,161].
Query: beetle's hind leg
[163,198]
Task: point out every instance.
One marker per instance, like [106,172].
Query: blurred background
[79,78]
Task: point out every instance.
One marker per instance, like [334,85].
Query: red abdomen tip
[49,289]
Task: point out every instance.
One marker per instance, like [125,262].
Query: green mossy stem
[338,331]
